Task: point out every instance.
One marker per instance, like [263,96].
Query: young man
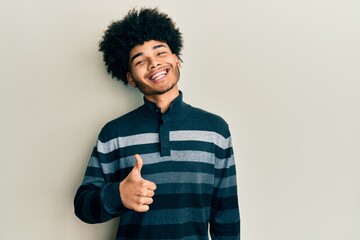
[167,169]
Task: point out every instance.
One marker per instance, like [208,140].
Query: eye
[139,62]
[161,53]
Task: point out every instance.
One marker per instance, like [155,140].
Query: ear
[130,79]
[178,62]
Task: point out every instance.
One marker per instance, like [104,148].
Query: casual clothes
[187,153]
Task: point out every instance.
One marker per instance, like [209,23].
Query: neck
[164,100]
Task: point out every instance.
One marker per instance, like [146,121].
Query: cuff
[111,201]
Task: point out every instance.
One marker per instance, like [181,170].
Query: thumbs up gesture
[136,193]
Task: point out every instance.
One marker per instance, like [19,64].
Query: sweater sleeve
[98,198]
[225,213]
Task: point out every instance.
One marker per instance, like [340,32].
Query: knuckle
[142,201]
[143,192]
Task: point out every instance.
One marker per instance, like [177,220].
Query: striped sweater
[187,153]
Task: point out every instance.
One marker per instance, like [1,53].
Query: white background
[284,74]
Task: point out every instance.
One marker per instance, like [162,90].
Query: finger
[148,201]
[142,208]
[145,201]
[149,185]
[143,204]
[138,165]
[145,192]
[139,162]
[150,193]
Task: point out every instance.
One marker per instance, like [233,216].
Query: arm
[97,199]
[225,216]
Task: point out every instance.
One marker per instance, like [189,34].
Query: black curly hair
[137,27]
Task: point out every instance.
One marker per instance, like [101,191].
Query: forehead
[147,47]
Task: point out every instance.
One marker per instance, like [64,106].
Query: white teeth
[158,75]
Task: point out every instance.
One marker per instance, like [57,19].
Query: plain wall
[284,74]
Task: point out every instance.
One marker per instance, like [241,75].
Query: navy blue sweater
[187,153]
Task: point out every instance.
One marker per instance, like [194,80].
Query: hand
[136,193]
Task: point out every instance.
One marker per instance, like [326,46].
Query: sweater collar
[177,110]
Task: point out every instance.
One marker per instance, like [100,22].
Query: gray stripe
[172,216]
[148,138]
[152,158]
[225,182]
[203,136]
[180,177]
[225,163]
[175,177]
[94,162]
[189,156]
[184,156]
[113,166]
[120,142]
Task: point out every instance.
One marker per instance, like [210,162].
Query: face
[154,69]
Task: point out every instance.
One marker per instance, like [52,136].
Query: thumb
[138,165]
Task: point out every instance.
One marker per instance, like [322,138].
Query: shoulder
[208,121]
[120,126]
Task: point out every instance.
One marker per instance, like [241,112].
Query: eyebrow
[141,53]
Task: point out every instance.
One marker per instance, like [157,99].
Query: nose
[153,63]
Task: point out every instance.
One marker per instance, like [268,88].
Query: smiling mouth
[158,75]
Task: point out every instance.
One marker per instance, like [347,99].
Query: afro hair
[137,27]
